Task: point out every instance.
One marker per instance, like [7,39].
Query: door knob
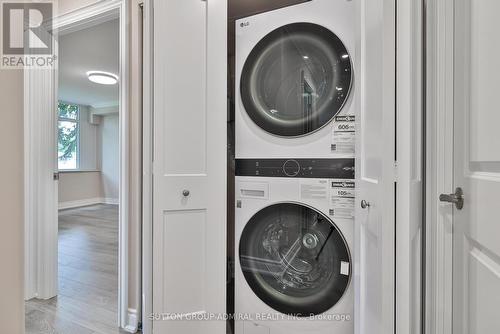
[365,204]
[185,193]
[457,198]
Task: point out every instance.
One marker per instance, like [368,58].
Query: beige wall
[78,186]
[11,199]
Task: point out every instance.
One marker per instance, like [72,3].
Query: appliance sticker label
[342,195]
[344,135]
[314,189]
[344,268]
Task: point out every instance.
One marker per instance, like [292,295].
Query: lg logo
[244,24]
[25,28]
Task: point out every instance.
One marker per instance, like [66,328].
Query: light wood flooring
[87,301]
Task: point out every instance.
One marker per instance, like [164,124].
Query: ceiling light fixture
[103,78]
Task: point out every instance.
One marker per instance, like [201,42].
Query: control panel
[300,168]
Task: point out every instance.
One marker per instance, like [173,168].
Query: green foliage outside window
[67,135]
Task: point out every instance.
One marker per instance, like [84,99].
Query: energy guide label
[344,134]
[342,195]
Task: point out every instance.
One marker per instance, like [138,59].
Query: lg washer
[293,270]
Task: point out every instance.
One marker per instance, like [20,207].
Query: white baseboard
[87,202]
[132,321]
[114,201]
[79,203]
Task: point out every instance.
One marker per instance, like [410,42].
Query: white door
[375,229]
[189,173]
[476,235]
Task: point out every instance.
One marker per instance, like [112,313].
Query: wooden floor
[87,302]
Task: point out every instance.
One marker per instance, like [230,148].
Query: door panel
[476,251]
[484,70]
[184,230]
[184,90]
[189,173]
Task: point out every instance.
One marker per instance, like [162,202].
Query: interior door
[375,228]
[189,166]
[476,246]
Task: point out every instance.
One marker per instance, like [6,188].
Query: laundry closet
[295,233]
[295,137]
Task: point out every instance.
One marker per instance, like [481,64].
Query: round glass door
[295,259]
[296,79]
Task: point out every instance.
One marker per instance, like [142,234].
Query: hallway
[88,276]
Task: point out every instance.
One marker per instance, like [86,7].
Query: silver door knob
[185,193]
[365,204]
[457,198]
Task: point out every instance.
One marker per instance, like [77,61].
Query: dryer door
[295,259]
[296,79]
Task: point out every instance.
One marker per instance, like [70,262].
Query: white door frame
[45,285]
[440,101]
[147,168]
[410,176]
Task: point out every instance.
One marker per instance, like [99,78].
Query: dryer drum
[296,79]
[295,259]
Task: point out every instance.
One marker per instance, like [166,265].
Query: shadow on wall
[110,164]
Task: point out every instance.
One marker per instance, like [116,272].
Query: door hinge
[395,171]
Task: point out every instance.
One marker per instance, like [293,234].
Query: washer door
[296,79]
[295,259]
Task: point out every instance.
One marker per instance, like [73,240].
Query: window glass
[67,110]
[296,79]
[295,259]
[68,136]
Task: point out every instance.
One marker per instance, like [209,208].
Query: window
[68,136]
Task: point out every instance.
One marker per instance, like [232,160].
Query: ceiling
[91,49]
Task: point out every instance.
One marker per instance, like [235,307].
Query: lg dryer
[294,76]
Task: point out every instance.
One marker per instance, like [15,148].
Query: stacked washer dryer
[295,170]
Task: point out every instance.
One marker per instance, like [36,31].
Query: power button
[291,168]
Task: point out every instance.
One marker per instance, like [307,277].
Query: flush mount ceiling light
[103,78]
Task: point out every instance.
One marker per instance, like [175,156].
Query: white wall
[110,150]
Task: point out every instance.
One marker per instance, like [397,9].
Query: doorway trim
[42,235]
[439,166]
[147,167]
